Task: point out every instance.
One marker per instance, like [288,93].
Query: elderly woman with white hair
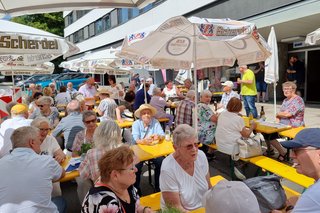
[158,102]
[46,110]
[49,146]
[106,136]
[184,177]
[207,119]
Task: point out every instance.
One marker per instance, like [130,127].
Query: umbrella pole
[275,100]
[13,88]
[195,81]
[145,91]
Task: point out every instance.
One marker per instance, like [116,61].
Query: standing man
[88,89]
[248,90]
[306,156]
[26,180]
[296,73]
[19,115]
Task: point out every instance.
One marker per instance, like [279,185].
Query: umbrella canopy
[18,7]
[33,45]
[45,68]
[313,37]
[271,74]
[179,42]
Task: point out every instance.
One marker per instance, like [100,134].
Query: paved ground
[219,166]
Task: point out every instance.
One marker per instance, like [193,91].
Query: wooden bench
[278,168]
[153,200]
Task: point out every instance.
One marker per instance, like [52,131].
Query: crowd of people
[35,141]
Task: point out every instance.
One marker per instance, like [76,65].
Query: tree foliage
[50,22]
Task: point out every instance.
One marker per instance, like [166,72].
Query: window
[114,18]
[146,8]
[134,12]
[71,38]
[91,30]
[86,32]
[106,22]
[99,26]
[74,16]
[75,37]
[80,35]
[66,21]
[123,15]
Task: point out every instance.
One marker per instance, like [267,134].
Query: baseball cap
[19,109]
[230,196]
[306,137]
[228,83]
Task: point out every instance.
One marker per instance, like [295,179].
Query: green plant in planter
[170,209]
[84,148]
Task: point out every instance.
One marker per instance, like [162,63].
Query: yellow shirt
[248,89]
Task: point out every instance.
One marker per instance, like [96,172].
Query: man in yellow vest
[248,90]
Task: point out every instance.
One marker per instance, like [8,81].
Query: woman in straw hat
[143,129]
[107,106]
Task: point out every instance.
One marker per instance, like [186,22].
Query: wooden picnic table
[69,175]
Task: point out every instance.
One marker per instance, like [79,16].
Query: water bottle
[167,134]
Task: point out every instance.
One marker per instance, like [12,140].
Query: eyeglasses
[287,89]
[91,121]
[190,146]
[48,129]
[296,150]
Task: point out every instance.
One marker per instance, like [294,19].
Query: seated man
[184,177]
[184,110]
[142,129]
[70,125]
[26,180]
[228,93]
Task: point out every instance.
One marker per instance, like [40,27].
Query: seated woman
[170,91]
[184,177]
[107,106]
[85,136]
[46,110]
[291,113]
[231,127]
[114,192]
[142,130]
[33,106]
[207,119]
[107,136]
[158,102]
[49,146]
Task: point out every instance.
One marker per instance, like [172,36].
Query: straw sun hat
[104,90]
[143,107]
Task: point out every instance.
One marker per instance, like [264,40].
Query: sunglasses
[48,129]
[190,146]
[91,121]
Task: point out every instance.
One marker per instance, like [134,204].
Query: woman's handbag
[269,192]
[250,147]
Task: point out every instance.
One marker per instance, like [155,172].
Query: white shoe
[238,174]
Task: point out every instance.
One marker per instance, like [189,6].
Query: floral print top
[101,199]
[206,128]
[295,106]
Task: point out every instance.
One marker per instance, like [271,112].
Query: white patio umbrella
[180,43]
[271,74]
[313,37]
[33,45]
[18,7]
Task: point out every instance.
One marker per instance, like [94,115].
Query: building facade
[99,29]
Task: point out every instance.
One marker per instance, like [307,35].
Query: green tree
[50,22]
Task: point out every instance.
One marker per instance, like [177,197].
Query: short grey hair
[107,135]
[206,92]
[88,113]
[183,132]
[191,94]
[73,106]
[21,136]
[39,120]
[289,84]
[156,91]
[45,100]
